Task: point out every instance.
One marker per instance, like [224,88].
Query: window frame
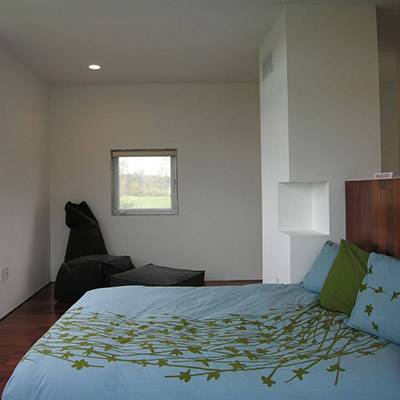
[115,198]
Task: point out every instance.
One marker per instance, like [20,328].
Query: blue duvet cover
[250,342]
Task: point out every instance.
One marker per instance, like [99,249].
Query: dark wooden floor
[20,329]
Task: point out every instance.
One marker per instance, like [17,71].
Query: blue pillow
[377,309]
[315,278]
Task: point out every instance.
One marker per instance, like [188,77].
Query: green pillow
[341,286]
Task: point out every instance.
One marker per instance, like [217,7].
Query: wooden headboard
[373,215]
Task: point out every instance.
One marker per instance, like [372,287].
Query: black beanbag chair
[85,273]
[85,237]
[156,275]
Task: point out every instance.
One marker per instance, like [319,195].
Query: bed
[256,341]
[234,342]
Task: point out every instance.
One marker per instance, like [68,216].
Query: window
[144,182]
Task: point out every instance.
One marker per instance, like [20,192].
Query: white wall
[333,117]
[333,108]
[215,128]
[274,149]
[24,205]
[398,99]
[390,126]
[389,70]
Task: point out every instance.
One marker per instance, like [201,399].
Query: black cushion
[77,276]
[156,275]
[85,237]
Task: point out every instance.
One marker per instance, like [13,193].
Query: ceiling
[143,41]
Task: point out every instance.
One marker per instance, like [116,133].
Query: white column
[320,126]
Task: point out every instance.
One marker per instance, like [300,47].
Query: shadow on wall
[38,255]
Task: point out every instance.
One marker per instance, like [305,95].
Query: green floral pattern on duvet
[297,339]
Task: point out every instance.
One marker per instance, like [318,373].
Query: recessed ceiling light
[94,67]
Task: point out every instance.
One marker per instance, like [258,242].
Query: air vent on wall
[267,66]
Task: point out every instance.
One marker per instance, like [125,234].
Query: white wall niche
[303,208]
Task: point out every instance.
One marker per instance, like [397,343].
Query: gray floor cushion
[156,275]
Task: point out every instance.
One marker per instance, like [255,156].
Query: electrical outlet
[5,273]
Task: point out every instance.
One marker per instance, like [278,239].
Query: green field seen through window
[131,202]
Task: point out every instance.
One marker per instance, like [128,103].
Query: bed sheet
[237,342]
